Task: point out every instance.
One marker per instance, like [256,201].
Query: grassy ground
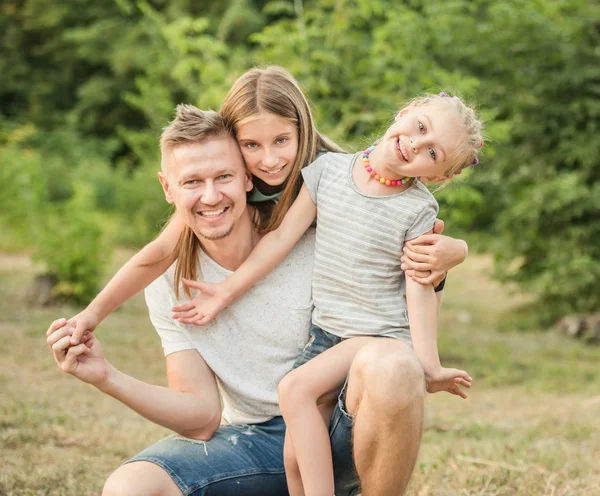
[531,425]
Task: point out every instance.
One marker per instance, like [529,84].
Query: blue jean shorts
[248,459]
[318,342]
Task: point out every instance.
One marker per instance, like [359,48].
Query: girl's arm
[422,313]
[268,254]
[137,273]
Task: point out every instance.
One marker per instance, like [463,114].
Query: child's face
[269,144]
[422,141]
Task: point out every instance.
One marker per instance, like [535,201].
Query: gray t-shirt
[358,286]
[254,342]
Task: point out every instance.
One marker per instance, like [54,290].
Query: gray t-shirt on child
[254,342]
[358,286]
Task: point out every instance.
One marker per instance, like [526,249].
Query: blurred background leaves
[85,88]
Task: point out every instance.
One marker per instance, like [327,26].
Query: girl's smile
[418,143]
[269,144]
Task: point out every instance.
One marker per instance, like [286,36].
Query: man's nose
[211,194]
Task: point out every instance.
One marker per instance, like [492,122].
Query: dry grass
[530,426]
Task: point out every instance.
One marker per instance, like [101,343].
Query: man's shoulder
[159,292]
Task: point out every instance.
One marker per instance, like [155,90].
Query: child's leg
[299,393]
[292,471]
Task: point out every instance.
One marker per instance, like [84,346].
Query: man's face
[208,183]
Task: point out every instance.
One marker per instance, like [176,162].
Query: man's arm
[190,405]
[428,258]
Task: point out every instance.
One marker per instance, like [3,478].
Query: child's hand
[205,307]
[84,325]
[84,322]
[449,380]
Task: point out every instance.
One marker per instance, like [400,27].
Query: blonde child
[366,205]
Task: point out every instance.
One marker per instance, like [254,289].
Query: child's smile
[420,143]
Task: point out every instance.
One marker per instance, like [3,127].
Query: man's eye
[421,127]
[224,176]
[432,153]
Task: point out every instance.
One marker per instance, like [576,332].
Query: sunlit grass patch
[531,424]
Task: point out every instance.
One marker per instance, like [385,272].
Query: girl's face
[422,142]
[269,144]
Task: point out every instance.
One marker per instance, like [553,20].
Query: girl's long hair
[274,90]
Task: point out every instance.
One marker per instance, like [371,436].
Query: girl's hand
[450,380]
[83,323]
[205,307]
[427,258]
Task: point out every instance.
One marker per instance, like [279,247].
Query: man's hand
[449,380]
[84,322]
[85,360]
[213,298]
[428,258]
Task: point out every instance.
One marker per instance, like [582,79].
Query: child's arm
[422,312]
[268,254]
[137,273]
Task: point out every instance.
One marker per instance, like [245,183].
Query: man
[242,356]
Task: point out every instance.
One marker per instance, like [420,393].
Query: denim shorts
[248,459]
[318,342]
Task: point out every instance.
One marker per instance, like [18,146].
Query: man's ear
[403,111]
[249,183]
[165,186]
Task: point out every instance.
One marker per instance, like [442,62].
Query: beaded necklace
[377,177]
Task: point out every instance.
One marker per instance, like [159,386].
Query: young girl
[366,205]
[274,126]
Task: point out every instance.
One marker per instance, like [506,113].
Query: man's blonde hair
[191,125]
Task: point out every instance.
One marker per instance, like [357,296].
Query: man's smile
[213,214]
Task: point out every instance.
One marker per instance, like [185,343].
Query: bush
[71,245]
[48,202]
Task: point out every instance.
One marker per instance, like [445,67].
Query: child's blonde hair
[471,141]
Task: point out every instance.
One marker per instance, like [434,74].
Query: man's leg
[238,459]
[386,394]
[140,479]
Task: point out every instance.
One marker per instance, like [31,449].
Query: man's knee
[389,374]
[140,479]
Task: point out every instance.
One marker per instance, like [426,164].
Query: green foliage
[52,207]
[111,74]
[71,245]
[541,185]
